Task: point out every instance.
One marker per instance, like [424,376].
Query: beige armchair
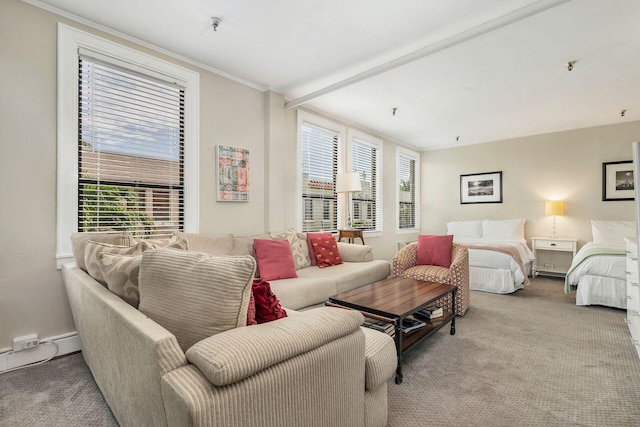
[457,274]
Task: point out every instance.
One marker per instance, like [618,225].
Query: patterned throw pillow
[300,256]
[326,251]
[312,254]
[93,249]
[174,242]
[79,243]
[121,274]
[268,306]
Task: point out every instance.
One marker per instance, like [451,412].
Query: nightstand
[351,235]
[553,255]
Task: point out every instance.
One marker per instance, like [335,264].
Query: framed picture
[232,170]
[618,182]
[481,188]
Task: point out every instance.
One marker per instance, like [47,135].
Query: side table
[351,234]
[544,249]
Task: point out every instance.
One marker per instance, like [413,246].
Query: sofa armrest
[404,259]
[355,253]
[236,354]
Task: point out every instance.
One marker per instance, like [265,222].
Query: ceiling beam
[478,30]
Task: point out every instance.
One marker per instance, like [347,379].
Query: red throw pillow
[310,236]
[434,250]
[268,307]
[326,251]
[251,311]
[275,260]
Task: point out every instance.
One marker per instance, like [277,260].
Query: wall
[32,295]
[556,166]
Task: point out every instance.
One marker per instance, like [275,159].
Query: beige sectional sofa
[316,367]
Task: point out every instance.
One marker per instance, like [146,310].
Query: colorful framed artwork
[618,182]
[232,169]
[481,188]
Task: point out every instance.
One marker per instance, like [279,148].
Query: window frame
[314,120]
[70,42]
[402,152]
[377,144]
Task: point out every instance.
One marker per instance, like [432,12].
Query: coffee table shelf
[396,299]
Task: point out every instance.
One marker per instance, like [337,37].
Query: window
[319,146]
[367,161]
[128,131]
[408,190]
[130,151]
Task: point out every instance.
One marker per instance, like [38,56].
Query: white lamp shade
[348,182]
[554,208]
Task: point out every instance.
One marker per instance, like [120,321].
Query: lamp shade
[554,208]
[348,182]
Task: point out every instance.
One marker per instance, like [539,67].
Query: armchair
[404,265]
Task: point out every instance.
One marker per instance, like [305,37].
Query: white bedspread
[601,265]
[481,259]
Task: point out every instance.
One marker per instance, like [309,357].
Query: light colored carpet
[532,358]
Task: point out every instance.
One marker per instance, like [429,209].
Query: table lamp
[348,182]
[554,208]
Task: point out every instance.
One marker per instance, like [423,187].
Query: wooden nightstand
[351,235]
[553,255]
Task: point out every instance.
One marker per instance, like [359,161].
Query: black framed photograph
[481,188]
[618,182]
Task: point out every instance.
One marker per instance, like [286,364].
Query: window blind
[319,169]
[130,151]
[366,203]
[407,192]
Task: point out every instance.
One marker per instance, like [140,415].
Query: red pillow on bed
[434,250]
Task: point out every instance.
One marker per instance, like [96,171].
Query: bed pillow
[465,229]
[434,250]
[612,232]
[503,229]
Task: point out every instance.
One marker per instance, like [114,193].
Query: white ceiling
[491,70]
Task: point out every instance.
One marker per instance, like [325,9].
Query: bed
[597,272]
[499,258]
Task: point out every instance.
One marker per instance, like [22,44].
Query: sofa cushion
[212,245]
[195,295]
[79,243]
[275,260]
[244,245]
[300,255]
[94,249]
[121,273]
[304,291]
[434,250]
[267,305]
[326,251]
[232,356]
[346,276]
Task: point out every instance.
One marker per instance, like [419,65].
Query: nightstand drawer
[554,244]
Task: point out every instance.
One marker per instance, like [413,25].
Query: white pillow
[612,232]
[503,229]
[465,229]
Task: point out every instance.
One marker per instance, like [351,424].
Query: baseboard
[67,343]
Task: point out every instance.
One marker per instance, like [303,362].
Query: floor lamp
[348,182]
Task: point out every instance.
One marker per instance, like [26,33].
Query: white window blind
[408,192]
[130,151]
[365,161]
[319,169]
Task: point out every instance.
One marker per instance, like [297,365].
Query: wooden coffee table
[393,300]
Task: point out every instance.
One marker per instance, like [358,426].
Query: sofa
[167,363]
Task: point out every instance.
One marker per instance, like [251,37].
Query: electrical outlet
[25,342]
[548,266]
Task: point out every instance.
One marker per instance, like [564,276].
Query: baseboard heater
[47,349]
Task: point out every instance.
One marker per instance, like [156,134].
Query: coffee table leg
[398,340]
[453,312]
[453,326]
